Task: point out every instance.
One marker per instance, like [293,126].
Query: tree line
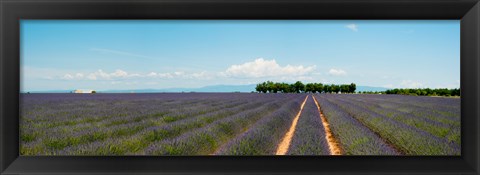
[418,92]
[425,92]
[299,87]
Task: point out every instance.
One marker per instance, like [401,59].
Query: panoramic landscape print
[242,88]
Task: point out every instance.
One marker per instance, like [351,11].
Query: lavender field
[238,124]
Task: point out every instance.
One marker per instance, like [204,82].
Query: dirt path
[333,143]
[287,139]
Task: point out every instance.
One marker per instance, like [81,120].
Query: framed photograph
[239,87]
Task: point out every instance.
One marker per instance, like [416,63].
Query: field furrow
[238,124]
[310,137]
[154,131]
[434,112]
[354,137]
[410,140]
[438,129]
[282,148]
[265,135]
[55,140]
[208,139]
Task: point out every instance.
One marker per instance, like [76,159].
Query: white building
[82,91]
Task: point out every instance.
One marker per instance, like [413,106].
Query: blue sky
[113,55]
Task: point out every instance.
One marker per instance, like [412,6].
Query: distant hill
[370,88]
[227,88]
[49,91]
[214,88]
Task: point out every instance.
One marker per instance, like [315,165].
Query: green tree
[269,86]
[318,87]
[344,88]
[261,87]
[278,87]
[310,87]
[335,88]
[352,88]
[299,87]
[326,88]
[284,88]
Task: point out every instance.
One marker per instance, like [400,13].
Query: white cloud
[298,78]
[257,69]
[201,75]
[79,75]
[266,68]
[179,73]
[67,77]
[123,75]
[352,27]
[119,73]
[158,75]
[411,84]
[99,75]
[91,77]
[337,72]
[152,74]
[164,75]
[71,77]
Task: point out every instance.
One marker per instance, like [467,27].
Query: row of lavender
[236,124]
[309,137]
[393,124]
[151,124]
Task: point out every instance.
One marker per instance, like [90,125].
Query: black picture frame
[12,11]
